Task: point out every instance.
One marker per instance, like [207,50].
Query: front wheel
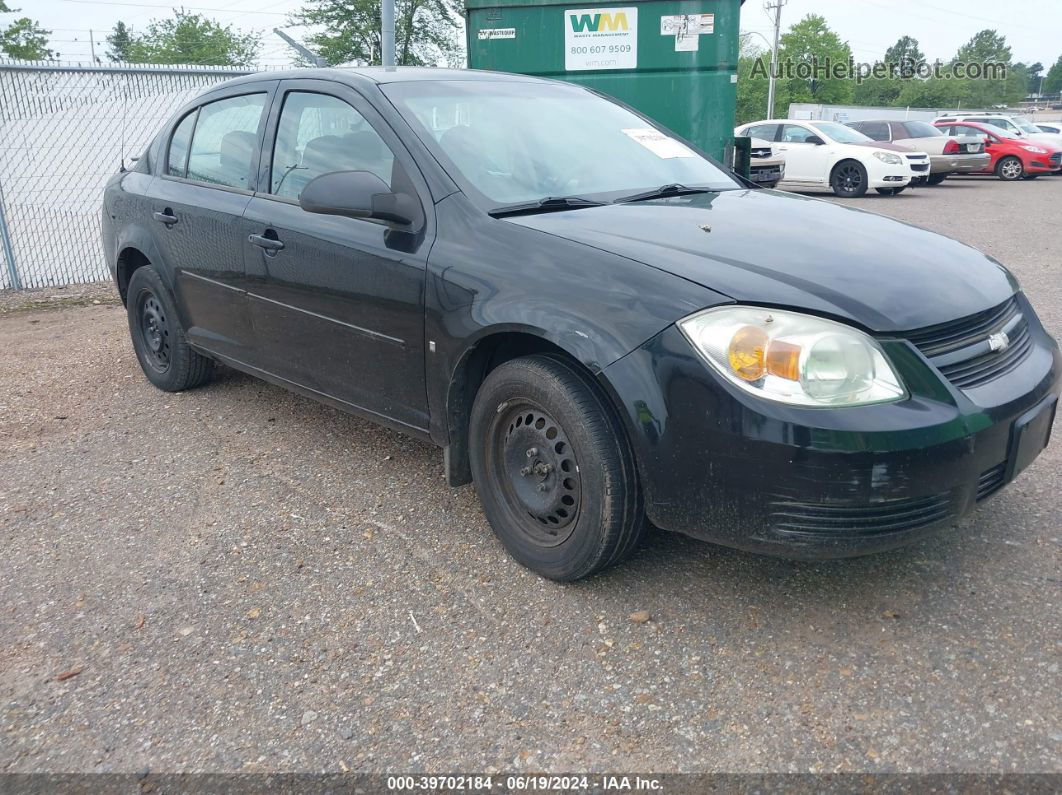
[891,191]
[553,468]
[158,336]
[849,179]
[1009,169]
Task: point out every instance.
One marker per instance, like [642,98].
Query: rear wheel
[553,468]
[158,336]
[849,179]
[936,179]
[891,191]
[1010,168]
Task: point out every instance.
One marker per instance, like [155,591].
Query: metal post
[308,54]
[9,250]
[774,56]
[387,32]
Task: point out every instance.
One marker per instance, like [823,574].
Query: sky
[870,26]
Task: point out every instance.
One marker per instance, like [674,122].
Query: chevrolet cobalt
[601,327]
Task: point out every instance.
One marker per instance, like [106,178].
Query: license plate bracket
[1029,436]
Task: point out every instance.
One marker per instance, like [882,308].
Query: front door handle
[270,244]
[165,217]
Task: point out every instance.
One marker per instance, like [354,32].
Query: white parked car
[1015,125]
[826,154]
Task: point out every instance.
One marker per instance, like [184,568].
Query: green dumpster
[673,60]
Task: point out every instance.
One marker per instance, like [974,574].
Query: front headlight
[793,358]
[1035,149]
[888,158]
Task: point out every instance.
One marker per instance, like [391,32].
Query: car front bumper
[960,164]
[887,175]
[722,465]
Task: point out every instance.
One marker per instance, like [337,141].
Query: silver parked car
[948,154]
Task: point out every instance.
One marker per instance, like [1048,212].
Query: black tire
[891,191]
[158,336]
[849,179]
[1010,168]
[553,468]
[936,179]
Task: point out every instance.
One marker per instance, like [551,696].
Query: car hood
[1053,140]
[775,248]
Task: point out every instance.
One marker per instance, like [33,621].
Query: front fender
[488,277]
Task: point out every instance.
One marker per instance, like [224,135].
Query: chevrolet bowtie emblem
[998,342]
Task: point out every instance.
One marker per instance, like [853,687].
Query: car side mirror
[357,194]
[814,139]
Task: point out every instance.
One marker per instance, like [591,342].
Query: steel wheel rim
[849,179]
[154,331]
[535,465]
[1011,169]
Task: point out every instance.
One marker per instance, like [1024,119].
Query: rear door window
[177,157]
[765,131]
[223,144]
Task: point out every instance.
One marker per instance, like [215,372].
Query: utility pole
[774,53]
[308,54]
[387,32]
[92,46]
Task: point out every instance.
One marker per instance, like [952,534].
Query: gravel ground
[237,578]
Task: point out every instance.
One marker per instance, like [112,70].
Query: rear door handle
[165,217]
[268,243]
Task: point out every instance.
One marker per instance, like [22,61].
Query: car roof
[362,75]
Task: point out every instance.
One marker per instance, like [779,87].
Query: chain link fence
[64,130]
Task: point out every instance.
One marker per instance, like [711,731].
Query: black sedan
[601,326]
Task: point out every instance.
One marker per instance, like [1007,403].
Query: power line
[170,7]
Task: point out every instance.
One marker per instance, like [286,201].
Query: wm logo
[595,23]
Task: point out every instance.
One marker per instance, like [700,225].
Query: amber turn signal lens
[783,360]
[746,353]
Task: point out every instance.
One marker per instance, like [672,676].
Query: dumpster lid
[476,4]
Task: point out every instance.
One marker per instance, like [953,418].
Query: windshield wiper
[546,205]
[673,189]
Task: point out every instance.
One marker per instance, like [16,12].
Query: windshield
[919,129]
[517,142]
[999,132]
[841,133]
[1025,126]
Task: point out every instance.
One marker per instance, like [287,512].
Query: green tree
[24,39]
[904,56]
[751,88]
[425,31]
[1035,72]
[811,42]
[986,49]
[1053,80]
[120,42]
[193,39]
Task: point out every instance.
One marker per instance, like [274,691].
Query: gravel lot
[237,578]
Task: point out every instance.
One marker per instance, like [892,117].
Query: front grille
[764,151]
[961,349]
[1056,159]
[919,166]
[991,481]
[833,521]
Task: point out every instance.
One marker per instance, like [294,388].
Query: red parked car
[1012,158]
